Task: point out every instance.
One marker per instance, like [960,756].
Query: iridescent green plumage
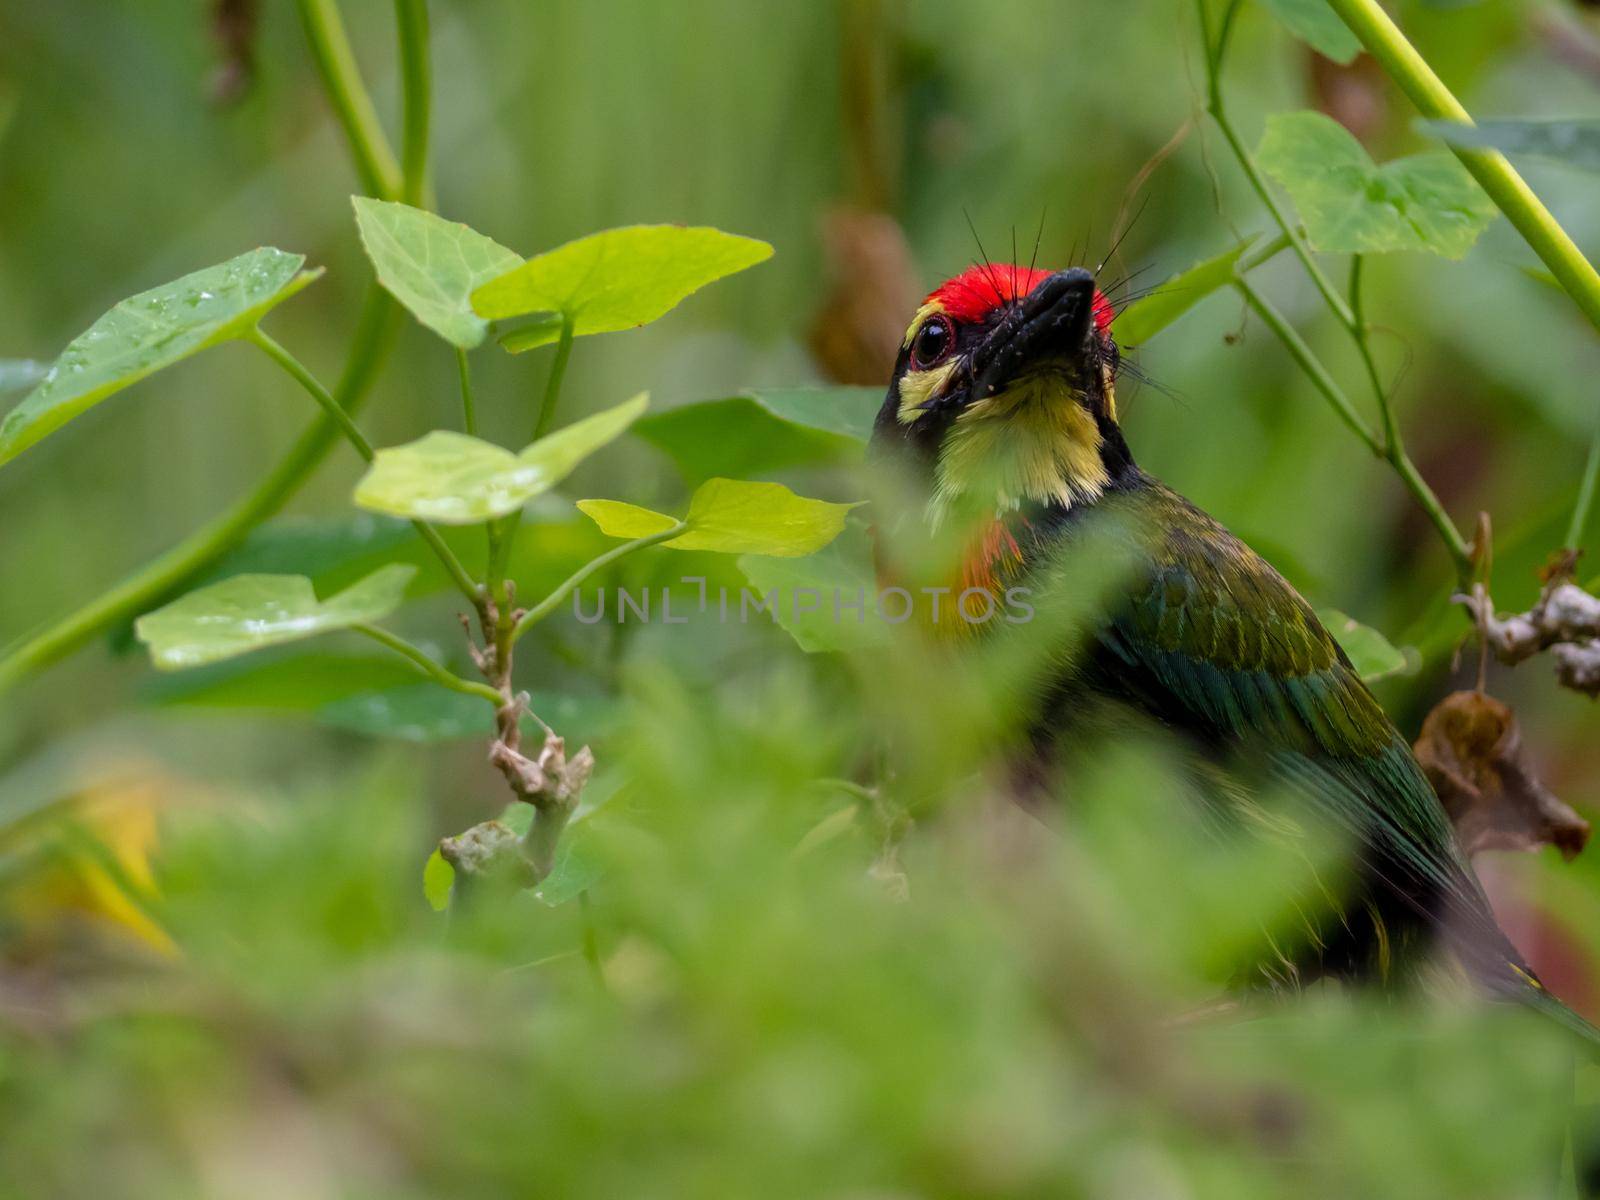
[1208,639]
[1199,635]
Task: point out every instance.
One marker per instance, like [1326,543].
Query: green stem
[1264,253]
[1460,551]
[416,78]
[428,667]
[1308,362]
[1511,194]
[1586,490]
[320,394]
[504,539]
[552,386]
[1360,331]
[1214,56]
[158,579]
[548,605]
[356,438]
[469,406]
[369,146]
[1394,453]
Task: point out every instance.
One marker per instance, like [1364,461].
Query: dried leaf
[1471,751]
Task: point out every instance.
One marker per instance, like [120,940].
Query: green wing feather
[1213,640]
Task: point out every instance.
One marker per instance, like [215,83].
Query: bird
[1001,423]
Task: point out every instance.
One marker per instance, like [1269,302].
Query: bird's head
[1003,394]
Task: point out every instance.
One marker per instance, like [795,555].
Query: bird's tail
[1517,983]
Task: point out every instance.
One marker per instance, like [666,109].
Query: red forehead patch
[974,293]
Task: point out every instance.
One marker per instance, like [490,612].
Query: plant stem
[1264,253]
[1360,332]
[503,539]
[1309,363]
[1461,554]
[428,667]
[1393,453]
[416,77]
[552,386]
[356,438]
[369,146]
[469,406]
[320,394]
[548,605]
[158,579]
[1214,55]
[1511,194]
[1586,490]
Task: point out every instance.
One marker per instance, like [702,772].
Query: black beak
[1052,323]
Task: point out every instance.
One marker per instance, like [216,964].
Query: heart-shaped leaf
[617,279]
[762,431]
[432,265]
[825,601]
[459,480]
[732,516]
[1317,25]
[150,331]
[1370,653]
[1574,143]
[1351,205]
[1145,318]
[248,612]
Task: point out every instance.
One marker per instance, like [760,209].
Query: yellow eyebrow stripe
[916,387]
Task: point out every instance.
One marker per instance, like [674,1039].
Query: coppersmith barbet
[1002,412]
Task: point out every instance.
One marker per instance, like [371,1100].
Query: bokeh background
[218,975]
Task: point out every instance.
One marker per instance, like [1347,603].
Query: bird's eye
[933,343]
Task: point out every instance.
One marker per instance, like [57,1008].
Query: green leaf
[1369,651]
[732,516]
[815,595]
[336,551]
[426,713]
[1145,318]
[20,375]
[432,265]
[618,279]
[516,334]
[1573,143]
[1351,205]
[289,681]
[764,431]
[438,877]
[619,519]
[459,480]
[575,870]
[250,611]
[150,331]
[1317,25]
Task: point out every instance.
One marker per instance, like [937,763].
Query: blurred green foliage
[218,973]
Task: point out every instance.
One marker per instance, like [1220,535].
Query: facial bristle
[976,292]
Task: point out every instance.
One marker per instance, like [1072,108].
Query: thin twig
[458,574]
[411,18]
[548,605]
[428,667]
[469,406]
[1308,362]
[552,386]
[369,147]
